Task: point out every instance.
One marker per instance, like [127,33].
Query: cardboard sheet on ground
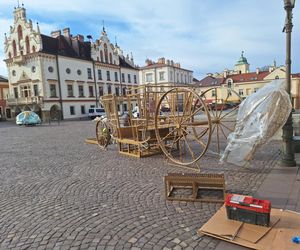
[283,224]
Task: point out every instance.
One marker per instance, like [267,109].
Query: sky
[205,36]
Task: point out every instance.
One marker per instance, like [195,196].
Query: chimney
[168,62]
[225,73]
[177,65]
[257,71]
[209,74]
[66,32]
[172,63]
[56,33]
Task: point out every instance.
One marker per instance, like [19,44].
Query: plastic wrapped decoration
[260,116]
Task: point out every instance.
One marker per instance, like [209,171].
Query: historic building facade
[244,82]
[4,110]
[62,73]
[165,72]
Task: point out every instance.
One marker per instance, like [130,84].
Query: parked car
[28,118]
[96,112]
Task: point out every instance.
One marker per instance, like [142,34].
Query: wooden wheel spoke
[224,104]
[221,128]
[168,134]
[218,139]
[172,110]
[230,129]
[185,106]
[173,142]
[191,115]
[235,108]
[189,148]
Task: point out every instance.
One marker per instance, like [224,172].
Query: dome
[242,60]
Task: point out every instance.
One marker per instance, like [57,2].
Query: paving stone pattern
[56,192]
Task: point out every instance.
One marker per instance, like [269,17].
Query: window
[124,91]
[276,77]
[79,72]
[108,89]
[70,90]
[241,92]
[110,58]
[213,92]
[16,94]
[13,73]
[248,92]
[117,91]
[33,49]
[161,76]
[100,91]
[82,107]
[101,56]
[80,91]
[27,45]
[171,76]
[99,74]
[123,77]
[25,91]
[149,77]
[50,69]
[129,79]
[181,77]
[72,110]
[20,33]
[89,72]
[229,83]
[14,48]
[91,91]
[35,90]
[125,107]
[52,90]
[108,75]
[68,71]
[116,76]
[134,79]
[33,69]
[105,53]
[185,79]
[177,77]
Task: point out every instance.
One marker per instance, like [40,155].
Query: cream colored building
[243,82]
[62,73]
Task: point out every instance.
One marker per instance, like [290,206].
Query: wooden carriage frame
[190,118]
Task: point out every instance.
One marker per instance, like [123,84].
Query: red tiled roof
[249,77]
[210,81]
[296,75]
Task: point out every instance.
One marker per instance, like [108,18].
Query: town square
[154,129]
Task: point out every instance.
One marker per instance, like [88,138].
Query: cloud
[204,36]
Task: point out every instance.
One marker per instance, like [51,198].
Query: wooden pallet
[195,182]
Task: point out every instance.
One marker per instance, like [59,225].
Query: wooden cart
[178,121]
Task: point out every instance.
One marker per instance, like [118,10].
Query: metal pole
[288,157]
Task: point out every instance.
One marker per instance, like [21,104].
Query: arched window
[97,58]
[229,83]
[110,58]
[27,45]
[9,55]
[33,49]
[14,48]
[20,33]
[276,77]
[105,53]
[101,56]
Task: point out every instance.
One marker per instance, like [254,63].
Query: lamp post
[288,158]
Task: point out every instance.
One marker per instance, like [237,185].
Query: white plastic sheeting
[260,116]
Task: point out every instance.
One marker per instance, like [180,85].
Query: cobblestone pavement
[56,192]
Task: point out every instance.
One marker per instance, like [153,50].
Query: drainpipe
[59,87]
[96,96]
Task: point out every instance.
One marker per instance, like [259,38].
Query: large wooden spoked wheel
[102,134]
[184,133]
[223,104]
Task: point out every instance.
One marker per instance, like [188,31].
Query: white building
[61,72]
[165,72]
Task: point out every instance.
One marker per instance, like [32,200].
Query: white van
[96,112]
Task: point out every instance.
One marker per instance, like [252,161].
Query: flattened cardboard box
[284,225]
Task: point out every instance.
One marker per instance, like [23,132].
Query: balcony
[24,100]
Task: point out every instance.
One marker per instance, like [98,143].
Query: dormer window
[276,77]
[229,83]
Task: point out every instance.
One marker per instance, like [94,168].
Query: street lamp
[288,158]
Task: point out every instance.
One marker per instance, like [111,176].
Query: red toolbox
[248,209]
